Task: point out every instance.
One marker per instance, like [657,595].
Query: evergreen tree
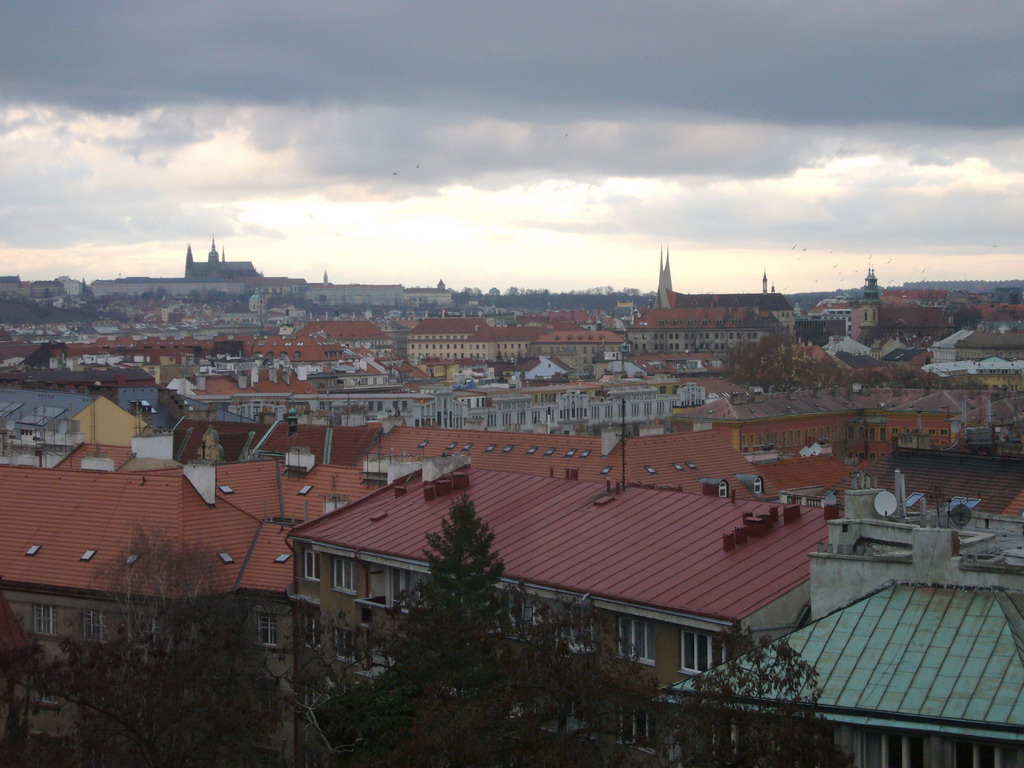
[453,630]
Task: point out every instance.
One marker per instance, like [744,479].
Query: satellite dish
[960,515]
[885,504]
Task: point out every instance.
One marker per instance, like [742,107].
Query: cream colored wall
[106,423]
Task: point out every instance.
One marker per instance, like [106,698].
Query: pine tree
[452,633]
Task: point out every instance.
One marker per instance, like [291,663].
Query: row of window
[95,625]
[636,640]
[44,622]
[343,571]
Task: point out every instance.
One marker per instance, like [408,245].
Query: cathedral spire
[663,300]
[764,282]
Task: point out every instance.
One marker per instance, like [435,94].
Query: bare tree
[172,674]
[755,711]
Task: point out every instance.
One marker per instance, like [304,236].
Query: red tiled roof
[227,385]
[67,513]
[649,547]
[119,453]
[580,336]
[346,330]
[340,446]
[431,325]
[711,455]
[941,475]
[802,472]
[234,437]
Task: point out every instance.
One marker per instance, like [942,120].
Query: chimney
[201,381]
[436,466]
[609,439]
[204,479]
[243,379]
[98,463]
[156,446]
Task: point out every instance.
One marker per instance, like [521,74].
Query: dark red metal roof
[645,546]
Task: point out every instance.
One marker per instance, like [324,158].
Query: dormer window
[758,485]
[723,489]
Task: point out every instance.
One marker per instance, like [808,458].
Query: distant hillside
[22,312]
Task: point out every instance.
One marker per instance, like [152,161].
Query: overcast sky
[537,144]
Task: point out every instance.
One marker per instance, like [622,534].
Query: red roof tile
[341,446]
[802,472]
[710,454]
[67,513]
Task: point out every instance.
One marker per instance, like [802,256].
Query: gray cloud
[942,63]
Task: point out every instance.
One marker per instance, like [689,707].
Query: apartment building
[671,569]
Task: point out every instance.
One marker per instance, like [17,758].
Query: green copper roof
[922,651]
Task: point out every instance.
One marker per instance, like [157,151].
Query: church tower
[213,256]
[189,261]
[870,303]
[764,283]
[664,299]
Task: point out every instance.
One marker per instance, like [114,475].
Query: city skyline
[531,145]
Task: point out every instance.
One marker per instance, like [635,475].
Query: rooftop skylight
[33,549]
[282,558]
[226,489]
[87,555]
[225,557]
[305,489]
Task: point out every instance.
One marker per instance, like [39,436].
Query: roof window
[585,453]
[531,450]
[507,449]
[87,555]
[650,469]
[680,467]
[226,489]
[131,559]
[305,489]
[283,558]
[570,453]
[467,446]
[423,444]
[225,557]
[489,448]
[606,470]
[691,465]
[549,451]
[451,445]
[33,549]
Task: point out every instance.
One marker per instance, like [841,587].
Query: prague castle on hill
[217,267]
